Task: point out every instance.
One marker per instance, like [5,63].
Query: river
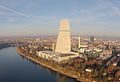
[15,68]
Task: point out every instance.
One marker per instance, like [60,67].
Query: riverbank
[2,47]
[61,70]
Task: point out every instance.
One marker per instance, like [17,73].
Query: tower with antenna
[79,42]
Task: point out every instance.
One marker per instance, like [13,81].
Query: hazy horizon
[45,36]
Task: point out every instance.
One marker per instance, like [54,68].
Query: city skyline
[87,17]
[60,40]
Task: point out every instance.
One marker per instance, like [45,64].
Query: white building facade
[63,41]
[49,55]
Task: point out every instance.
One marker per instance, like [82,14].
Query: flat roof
[58,54]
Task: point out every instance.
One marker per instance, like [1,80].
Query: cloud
[14,11]
[115,10]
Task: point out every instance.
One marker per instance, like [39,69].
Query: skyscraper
[92,39]
[63,41]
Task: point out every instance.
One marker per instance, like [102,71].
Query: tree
[111,69]
[117,75]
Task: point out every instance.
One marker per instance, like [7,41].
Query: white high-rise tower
[63,41]
[79,42]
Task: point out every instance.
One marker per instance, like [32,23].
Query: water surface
[15,68]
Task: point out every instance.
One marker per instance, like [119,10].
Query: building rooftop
[57,54]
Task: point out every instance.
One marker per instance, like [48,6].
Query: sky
[42,17]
